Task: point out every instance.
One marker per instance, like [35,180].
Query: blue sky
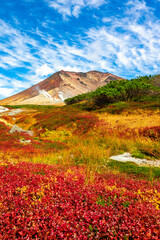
[40,37]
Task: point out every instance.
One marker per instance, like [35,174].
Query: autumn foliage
[43,202]
[57,184]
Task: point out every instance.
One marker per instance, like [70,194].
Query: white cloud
[6,29]
[68,8]
[19,84]
[3,82]
[127,45]
[9,85]
[76,11]
[5,92]
[138,5]
[69,68]
[16,47]
[95,3]
[137,9]
[106,19]
[10,61]
[44,70]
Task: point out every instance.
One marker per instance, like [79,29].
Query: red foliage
[3,128]
[52,120]
[122,132]
[84,122]
[15,143]
[42,202]
[151,132]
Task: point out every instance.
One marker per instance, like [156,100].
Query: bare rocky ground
[10,112]
[15,111]
[127,157]
[3,109]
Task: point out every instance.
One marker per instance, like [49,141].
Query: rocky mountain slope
[61,85]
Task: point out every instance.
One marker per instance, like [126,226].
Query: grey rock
[29,133]
[15,128]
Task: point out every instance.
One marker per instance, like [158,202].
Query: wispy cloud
[4,80]
[128,43]
[127,46]
[68,8]
[10,86]
[137,6]
[16,47]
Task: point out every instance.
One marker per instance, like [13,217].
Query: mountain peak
[60,86]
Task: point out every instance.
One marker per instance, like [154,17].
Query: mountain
[60,86]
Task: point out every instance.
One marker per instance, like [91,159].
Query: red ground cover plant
[45,202]
[82,122]
[151,132]
[15,143]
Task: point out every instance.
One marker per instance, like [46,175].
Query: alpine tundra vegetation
[60,183]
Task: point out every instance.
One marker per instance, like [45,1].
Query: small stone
[25,141]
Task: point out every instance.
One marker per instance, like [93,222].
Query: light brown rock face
[59,86]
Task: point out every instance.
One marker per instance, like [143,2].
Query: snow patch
[46,94]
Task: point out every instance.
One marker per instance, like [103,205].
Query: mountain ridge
[60,86]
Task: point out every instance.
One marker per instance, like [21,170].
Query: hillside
[66,171]
[60,86]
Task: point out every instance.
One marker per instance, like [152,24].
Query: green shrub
[139,89]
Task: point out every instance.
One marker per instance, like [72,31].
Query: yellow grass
[95,148]
[140,119]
